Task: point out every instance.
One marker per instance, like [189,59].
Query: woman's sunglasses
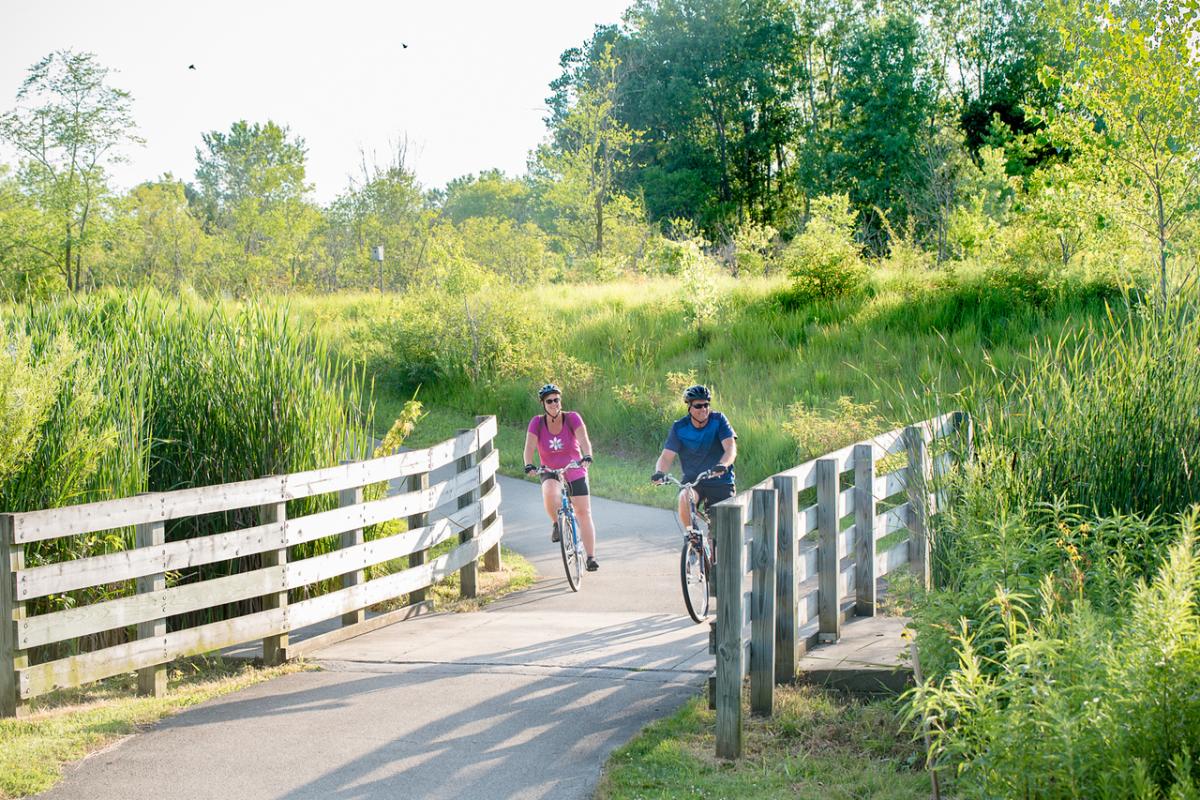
[549,400]
[699,405]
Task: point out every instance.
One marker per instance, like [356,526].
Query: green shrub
[824,262]
[1053,700]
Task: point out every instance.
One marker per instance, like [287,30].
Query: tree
[492,194]
[68,126]
[590,148]
[27,257]
[885,103]
[1131,109]
[163,242]
[251,190]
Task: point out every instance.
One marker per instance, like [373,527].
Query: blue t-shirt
[700,448]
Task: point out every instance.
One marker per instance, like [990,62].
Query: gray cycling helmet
[697,392]
[549,388]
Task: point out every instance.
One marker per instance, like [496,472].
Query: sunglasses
[549,400]
[699,405]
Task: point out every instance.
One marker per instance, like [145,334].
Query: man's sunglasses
[553,400]
[699,405]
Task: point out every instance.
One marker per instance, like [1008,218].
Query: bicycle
[568,528]
[697,559]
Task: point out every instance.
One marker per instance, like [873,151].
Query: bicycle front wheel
[694,575]
[572,549]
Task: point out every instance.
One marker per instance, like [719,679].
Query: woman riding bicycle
[560,437]
[703,440]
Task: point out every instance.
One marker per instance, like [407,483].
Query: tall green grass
[1062,634]
[143,393]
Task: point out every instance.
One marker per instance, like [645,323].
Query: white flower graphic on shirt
[556,444]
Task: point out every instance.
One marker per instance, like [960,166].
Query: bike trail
[523,699]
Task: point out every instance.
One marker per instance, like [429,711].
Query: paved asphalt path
[524,699]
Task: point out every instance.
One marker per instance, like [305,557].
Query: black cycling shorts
[714,493]
[575,488]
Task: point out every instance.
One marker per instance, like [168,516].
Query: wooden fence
[273,592]
[807,541]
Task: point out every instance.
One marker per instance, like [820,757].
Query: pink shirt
[556,450]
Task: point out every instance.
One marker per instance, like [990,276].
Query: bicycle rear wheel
[572,550]
[694,576]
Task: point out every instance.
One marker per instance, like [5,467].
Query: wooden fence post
[919,476]
[728,521]
[765,507]
[12,613]
[787,554]
[864,530]
[352,497]
[417,483]
[275,647]
[469,574]
[828,602]
[152,680]
[491,559]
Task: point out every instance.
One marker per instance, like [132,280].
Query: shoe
[592,564]
[555,535]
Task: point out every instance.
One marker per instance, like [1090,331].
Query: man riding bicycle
[703,440]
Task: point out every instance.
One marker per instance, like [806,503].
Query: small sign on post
[377,256]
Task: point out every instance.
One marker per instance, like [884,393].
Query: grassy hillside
[794,381]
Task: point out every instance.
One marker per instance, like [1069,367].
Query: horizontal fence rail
[828,532]
[48,641]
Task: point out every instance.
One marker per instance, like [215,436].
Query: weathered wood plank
[765,504]
[172,556]
[727,521]
[864,526]
[892,520]
[891,483]
[919,480]
[87,667]
[827,547]
[469,574]
[349,539]
[139,609]
[126,565]
[491,559]
[417,483]
[274,647]
[787,653]
[890,559]
[53,523]
[327,606]
[13,659]
[152,681]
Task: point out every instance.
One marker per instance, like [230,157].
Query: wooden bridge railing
[812,565]
[278,594]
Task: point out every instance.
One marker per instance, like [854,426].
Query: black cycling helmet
[549,388]
[696,392]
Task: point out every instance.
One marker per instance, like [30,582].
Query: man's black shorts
[713,493]
[575,488]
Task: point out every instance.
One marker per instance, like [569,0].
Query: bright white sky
[468,92]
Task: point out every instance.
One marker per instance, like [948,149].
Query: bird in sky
[191,66]
[402,44]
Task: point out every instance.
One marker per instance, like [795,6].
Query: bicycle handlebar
[669,478]
[561,470]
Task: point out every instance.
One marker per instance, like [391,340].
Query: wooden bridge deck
[872,656]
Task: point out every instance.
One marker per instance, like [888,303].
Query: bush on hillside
[824,262]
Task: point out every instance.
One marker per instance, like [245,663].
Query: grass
[624,350]
[817,745]
[66,725]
